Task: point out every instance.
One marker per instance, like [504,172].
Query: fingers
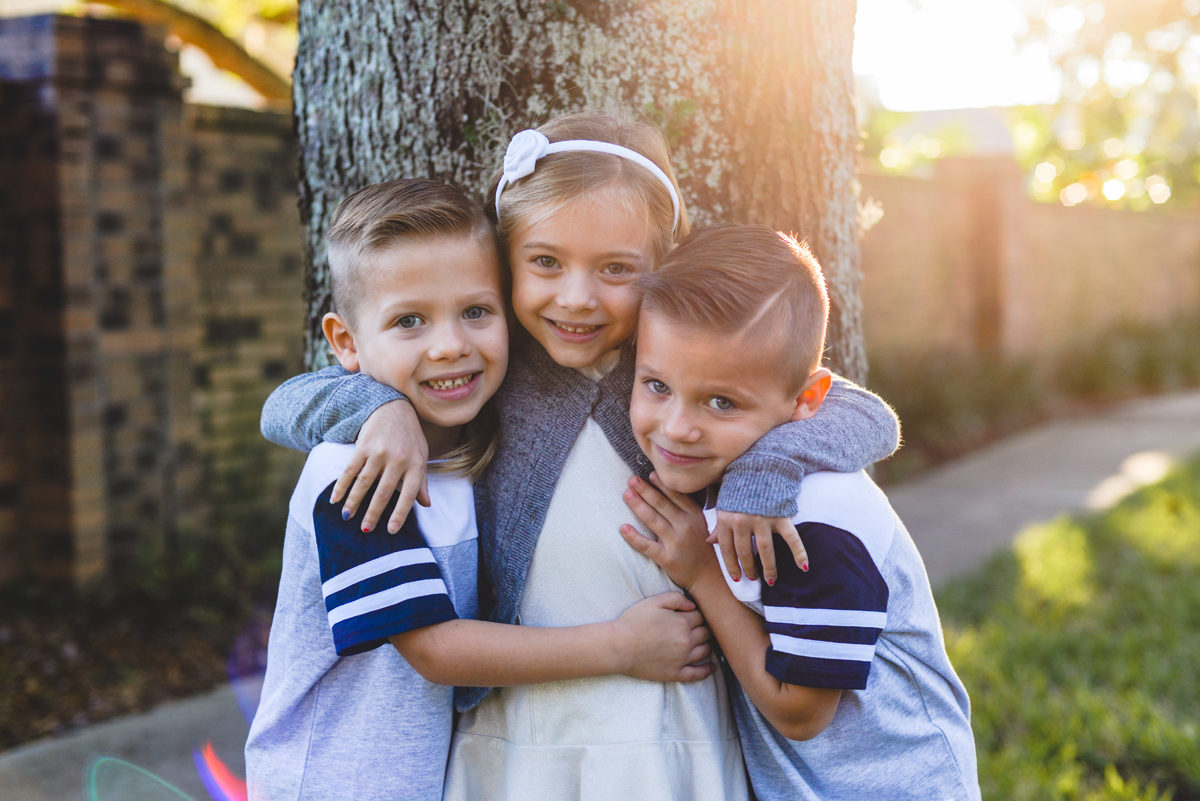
[423,495]
[414,481]
[346,479]
[683,502]
[696,672]
[359,489]
[642,544]
[724,536]
[792,537]
[766,551]
[743,545]
[694,620]
[645,511]
[383,494]
[700,653]
[674,600]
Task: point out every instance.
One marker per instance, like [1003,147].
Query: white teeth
[577,329]
[453,383]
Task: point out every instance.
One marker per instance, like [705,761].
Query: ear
[813,394]
[341,339]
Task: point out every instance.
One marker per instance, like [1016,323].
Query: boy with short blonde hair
[845,689]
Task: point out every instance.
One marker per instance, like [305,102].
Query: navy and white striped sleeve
[376,584]
[824,623]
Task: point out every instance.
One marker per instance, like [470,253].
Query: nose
[576,292]
[679,425]
[449,342]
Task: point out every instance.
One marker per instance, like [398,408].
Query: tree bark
[755,96]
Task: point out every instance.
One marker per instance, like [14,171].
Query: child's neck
[442,439]
[602,366]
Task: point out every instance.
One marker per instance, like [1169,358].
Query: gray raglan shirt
[543,406]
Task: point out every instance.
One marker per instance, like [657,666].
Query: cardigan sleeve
[326,406]
[853,429]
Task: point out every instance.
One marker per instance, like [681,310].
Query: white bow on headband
[521,157]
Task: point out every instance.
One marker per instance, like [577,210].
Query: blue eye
[720,404]
[409,321]
[657,387]
[475,313]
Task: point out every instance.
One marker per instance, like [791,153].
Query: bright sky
[938,54]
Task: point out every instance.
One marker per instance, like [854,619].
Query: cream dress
[612,737]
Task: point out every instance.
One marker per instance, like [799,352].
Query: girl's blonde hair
[561,177]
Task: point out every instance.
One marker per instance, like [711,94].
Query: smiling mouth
[575,329]
[678,458]
[446,384]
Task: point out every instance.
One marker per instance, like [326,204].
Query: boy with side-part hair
[844,686]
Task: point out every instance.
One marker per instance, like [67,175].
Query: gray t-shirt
[862,620]
[342,714]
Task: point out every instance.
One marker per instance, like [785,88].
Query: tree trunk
[754,95]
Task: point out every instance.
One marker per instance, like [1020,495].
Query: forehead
[434,265]
[608,216]
[699,357]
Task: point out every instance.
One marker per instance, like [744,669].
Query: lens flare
[112,779]
[220,783]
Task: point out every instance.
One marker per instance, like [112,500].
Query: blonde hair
[377,217]
[750,281]
[561,177]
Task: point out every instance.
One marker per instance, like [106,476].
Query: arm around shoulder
[853,429]
[327,406]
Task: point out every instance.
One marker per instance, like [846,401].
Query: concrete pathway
[965,511]
[959,515]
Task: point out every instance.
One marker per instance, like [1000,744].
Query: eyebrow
[623,254]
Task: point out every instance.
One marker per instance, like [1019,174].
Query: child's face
[573,275]
[432,326]
[700,400]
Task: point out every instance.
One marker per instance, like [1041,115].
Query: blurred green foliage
[1081,652]
[950,404]
[1126,131]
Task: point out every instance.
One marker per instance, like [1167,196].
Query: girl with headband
[584,204]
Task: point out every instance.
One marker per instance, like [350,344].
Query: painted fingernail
[736,578]
[770,582]
[366,529]
[804,567]
[345,514]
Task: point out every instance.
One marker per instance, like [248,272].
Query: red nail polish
[770,582]
[736,578]
[804,567]
[366,529]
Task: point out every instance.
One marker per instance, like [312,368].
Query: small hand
[737,534]
[679,524]
[392,448]
[664,638]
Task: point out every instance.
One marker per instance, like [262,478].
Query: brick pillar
[114,94]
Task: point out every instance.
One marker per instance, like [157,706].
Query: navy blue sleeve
[824,623]
[376,584]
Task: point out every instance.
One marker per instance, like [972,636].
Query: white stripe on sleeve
[855,618]
[376,567]
[386,598]
[820,649]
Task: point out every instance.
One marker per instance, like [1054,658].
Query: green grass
[1081,652]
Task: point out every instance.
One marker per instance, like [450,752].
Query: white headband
[529,145]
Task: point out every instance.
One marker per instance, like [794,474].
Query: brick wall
[149,301]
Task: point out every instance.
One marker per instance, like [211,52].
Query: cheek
[622,304]
[527,297]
